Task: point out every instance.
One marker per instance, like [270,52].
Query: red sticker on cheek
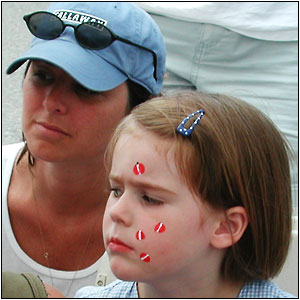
[138,169]
[145,257]
[140,235]
[160,227]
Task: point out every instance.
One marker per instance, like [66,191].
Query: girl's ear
[231,227]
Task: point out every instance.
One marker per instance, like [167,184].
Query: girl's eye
[151,201]
[116,192]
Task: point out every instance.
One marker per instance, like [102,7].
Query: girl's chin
[126,270]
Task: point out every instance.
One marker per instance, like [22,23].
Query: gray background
[16,39]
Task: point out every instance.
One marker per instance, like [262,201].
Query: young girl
[200,203]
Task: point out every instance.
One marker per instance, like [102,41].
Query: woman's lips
[116,245]
[52,128]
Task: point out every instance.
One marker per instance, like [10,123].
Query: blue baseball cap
[104,69]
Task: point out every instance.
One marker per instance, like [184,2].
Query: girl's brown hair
[234,157]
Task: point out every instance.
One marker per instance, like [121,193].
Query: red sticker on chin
[160,227]
[138,169]
[145,257]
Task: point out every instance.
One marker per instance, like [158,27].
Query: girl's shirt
[125,289]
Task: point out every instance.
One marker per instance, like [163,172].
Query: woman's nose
[56,99]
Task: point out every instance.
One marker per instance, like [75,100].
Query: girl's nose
[122,211]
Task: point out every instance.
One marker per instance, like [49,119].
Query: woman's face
[154,227]
[62,120]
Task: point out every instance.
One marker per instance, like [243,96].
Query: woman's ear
[231,227]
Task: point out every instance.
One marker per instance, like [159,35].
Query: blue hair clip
[187,132]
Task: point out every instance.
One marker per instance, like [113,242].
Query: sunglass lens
[45,26]
[93,36]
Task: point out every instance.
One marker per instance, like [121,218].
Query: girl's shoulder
[263,289]
[116,289]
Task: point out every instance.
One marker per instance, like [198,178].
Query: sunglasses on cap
[90,35]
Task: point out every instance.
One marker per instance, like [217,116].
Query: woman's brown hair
[234,157]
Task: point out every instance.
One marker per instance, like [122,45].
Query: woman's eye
[42,76]
[116,192]
[81,90]
[151,201]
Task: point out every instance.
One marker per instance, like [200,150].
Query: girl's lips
[52,128]
[116,245]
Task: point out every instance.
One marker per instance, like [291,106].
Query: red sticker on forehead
[140,235]
[138,169]
[145,257]
[160,227]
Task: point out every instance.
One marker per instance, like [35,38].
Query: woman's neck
[69,187]
[58,211]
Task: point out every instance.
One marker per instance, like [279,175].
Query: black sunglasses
[90,35]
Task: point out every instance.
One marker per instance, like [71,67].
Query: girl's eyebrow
[143,185]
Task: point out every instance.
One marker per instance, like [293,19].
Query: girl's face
[154,227]
[62,120]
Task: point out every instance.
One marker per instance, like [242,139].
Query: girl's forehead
[142,139]
[146,148]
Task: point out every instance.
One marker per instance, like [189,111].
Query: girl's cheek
[150,240]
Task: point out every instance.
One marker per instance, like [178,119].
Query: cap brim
[85,66]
